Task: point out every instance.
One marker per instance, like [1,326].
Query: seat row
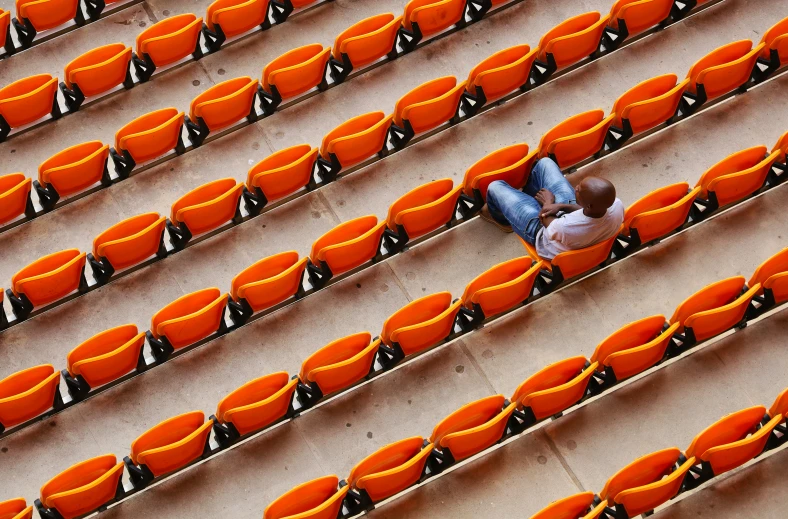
[654,479]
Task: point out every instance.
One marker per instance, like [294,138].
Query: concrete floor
[575,452]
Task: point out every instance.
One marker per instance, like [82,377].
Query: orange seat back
[99,70]
[430,104]
[236,16]
[724,68]
[424,208]
[555,387]
[511,164]
[14,193]
[173,443]
[340,363]
[27,393]
[717,320]
[316,499]
[15,509]
[107,355]
[257,403]
[660,211]
[712,296]
[76,168]
[47,14]
[190,318]
[475,438]
[723,458]
[151,135]
[5,21]
[225,103]
[171,39]
[715,308]
[776,38]
[503,72]
[726,430]
[207,207]
[576,262]
[573,39]
[349,244]
[635,347]
[391,469]
[780,405]
[50,277]
[270,280]
[84,487]
[283,172]
[639,15]
[131,241]
[642,499]
[28,99]
[357,139]
[576,138]
[571,507]
[649,103]
[421,323]
[773,274]
[433,16]
[297,70]
[467,418]
[368,40]
[503,286]
[738,175]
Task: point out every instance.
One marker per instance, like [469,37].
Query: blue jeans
[520,209]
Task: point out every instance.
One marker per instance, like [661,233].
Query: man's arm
[550,211]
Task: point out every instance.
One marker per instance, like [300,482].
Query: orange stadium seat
[657,214]
[27,100]
[72,170]
[553,389]
[496,76]
[471,429]
[84,487]
[425,107]
[34,16]
[15,509]
[428,17]
[168,446]
[146,138]
[5,35]
[775,51]
[633,348]
[227,18]
[576,138]
[293,73]
[568,42]
[316,499]
[28,393]
[352,142]
[363,43]
[420,211]
[167,42]
[416,326]
[345,247]
[96,72]
[772,275]
[278,175]
[46,280]
[255,405]
[780,407]
[103,358]
[336,366]
[713,309]
[567,265]
[630,17]
[15,197]
[578,506]
[126,244]
[500,288]
[187,320]
[511,164]
[647,482]
[266,283]
[204,209]
[220,106]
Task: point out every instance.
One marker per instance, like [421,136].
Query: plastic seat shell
[225,103]
[171,39]
[433,16]
[14,194]
[75,168]
[297,70]
[724,69]
[773,274]
[236,16]
[357,139]
[47,14]
[571,507]
[429,104]
[573,39]
[283,172]
[316,499]
[349,244]
[473,427]
[106,356]
[28,99]
[391,469]
[424,208]
[421,323]
[99,69]
[738,175]
[50,277]
[15,509]
[27,394]
[503,72]
[340,363]
[84,487]
[269,281]
[635,347]
[207,207]
[503,286]
[131,241]
[649,103]
[660,212]
[368,40]
[173,443]
[258,403]
[554,388]
[511,164]
[190,318]
[576,138]
[639,15]
[151,135]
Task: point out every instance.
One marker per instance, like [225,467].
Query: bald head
[596,195]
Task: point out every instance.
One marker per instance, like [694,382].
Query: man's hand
[545,197]
[550,210]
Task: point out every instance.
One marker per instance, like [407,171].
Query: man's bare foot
[485,214]
[544,197]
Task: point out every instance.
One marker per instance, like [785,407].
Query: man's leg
[547,175]
[508,205]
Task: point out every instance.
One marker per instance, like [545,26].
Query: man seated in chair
[553,216]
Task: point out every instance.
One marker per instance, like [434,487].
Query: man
[553,216]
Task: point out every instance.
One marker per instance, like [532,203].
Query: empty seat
[296,71]
[50,277]
[420,324]
[501,73]
[658,213]
[638,15]
[148,137]
[14,196]
[772,275]
[15,509]
[502,287]
[128,243]
[647,482]
[281,173]
[257,403]
[347,245]
[5,22]
[169,40]
[172,444]
[72,170]
[105,357]
[366,41]
[316,499]
[27,100]
[355,140]
[775,41]
[46,14]
[578,506]
[84,487]
[95,72]
[190,318]
[555,388]
[633,348]
[428,105]
[713,309]
[390,469]
[723,69]
[780,405]
[732,440]
[573,39]
[649,103]
[781,146]
[27,394]
[567,265]
[207,207]
[736,176]
[236,16]
[337,365]
[269,281]
[432,16]
[576,138]
[472,428]
[511,164]
[424,209]
[222,105]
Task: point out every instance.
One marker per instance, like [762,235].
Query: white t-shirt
[575,230]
